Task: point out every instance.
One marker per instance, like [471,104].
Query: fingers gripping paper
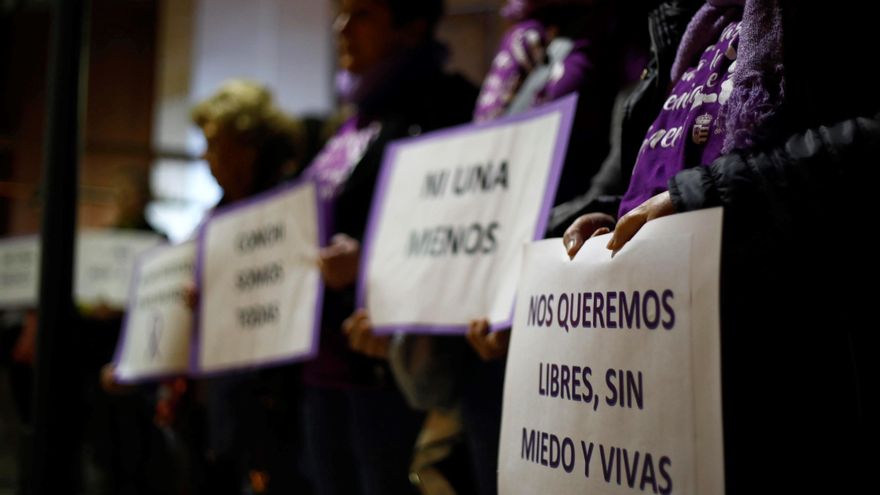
[450,214]
[613,376]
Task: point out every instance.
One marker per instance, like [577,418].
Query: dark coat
[419,103]
[796,380]
[794,326]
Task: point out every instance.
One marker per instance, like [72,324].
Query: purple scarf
[522,48]
[758,80]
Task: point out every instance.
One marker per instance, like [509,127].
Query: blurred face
[231,160]
[366,34]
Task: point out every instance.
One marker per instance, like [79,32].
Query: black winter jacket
[796,323]
[798,377]
[418,102]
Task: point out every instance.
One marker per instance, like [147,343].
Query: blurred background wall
[149,60]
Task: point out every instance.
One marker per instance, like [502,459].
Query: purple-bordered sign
[641,332]
[157,328]
[450,214]
[260,288]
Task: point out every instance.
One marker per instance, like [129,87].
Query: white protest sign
[451,212]
[104,264]
[613,381]
[259,282]
[156,335]
[19,271]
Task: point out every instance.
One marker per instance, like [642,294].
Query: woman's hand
[655,207]
[361,337]
[108,381]
[339,262]
[488,345]
[191,295]
[583,228]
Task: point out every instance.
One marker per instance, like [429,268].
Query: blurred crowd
[764,107]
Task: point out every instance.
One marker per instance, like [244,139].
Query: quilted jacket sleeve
[826,170]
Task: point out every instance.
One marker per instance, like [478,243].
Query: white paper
[105,262]
[446,241]
[158,322]
[19,272]
[667,407]
[260,285]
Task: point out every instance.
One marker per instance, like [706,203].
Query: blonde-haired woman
[251,144]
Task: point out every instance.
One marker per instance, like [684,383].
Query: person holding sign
[361,432]
[554,49]
[573,35]
[767,156]
[251,147]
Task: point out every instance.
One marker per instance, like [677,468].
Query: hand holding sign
[339,262]
[361,338]
[655,207]
[585,227]
[487,344]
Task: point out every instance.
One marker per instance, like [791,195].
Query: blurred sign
[260,287]
[104,263]
[19,271]
[156,336]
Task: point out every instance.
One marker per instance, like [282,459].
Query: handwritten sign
[158,325]
[259,281]
[19,271]
[104,264]
[451,213]
[613,377]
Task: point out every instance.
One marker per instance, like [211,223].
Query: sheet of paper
[19,272]
[260,288]
[157,333]
[105,262]
[450,215]
[613,377]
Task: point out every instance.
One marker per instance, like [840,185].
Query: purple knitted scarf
[758,80]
